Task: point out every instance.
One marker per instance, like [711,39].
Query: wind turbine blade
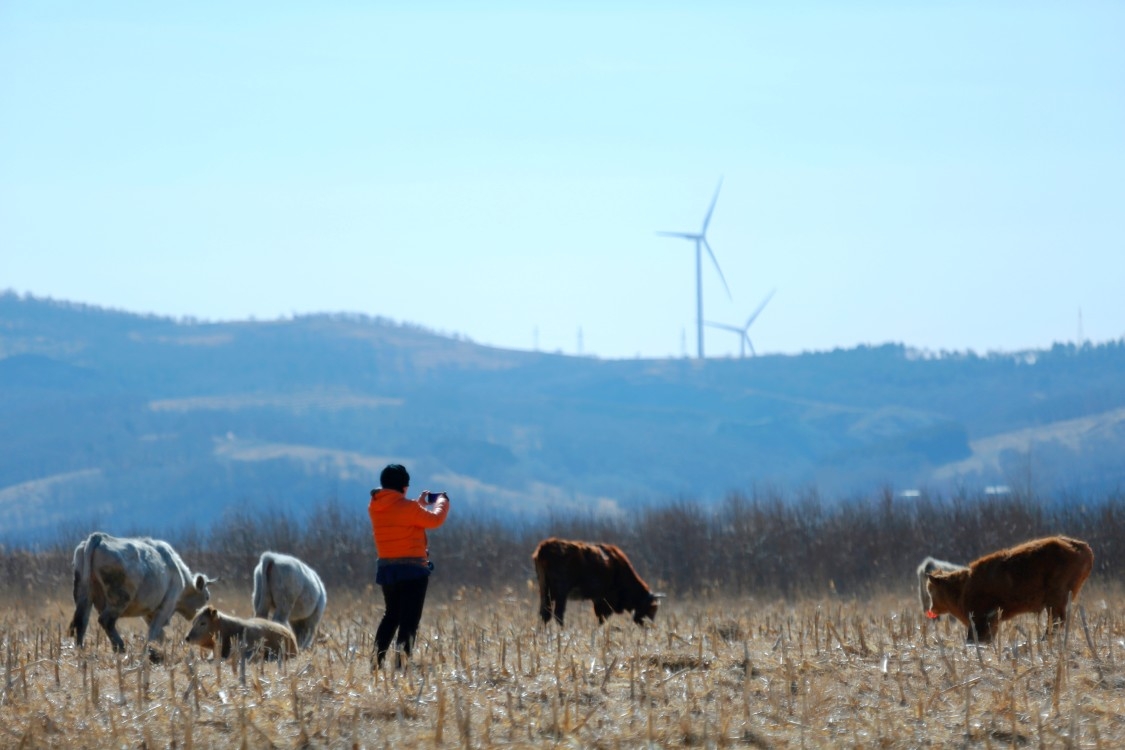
[761,307]
[716,262]
[724,326]
[750,344]
[681,235]
[710,210]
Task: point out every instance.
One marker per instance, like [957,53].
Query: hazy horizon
[462,336]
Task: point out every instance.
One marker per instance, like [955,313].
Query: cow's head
[203,627]
[647,608]
[944,589]
[194,596]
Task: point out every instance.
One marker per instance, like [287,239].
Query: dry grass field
[819,672]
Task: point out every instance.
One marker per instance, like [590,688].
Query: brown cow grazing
[1027,578]
[255,635]
[581,570]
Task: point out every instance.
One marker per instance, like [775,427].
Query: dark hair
[395,477]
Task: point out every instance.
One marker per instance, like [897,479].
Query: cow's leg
[299,627]
[154,656]
[156,626]
[546,603]
[302,632]
[983,616]
[156,622]
[86,593]
[602,610]
[977,631]
[282,613]
[559,598]
[982,626]
[305,630]
[991,623]
[546,611]
[108,620]
[1060,607]
[311,623]
[116,596]
[227,640]
[1056,614]
[79,623]
[545,608]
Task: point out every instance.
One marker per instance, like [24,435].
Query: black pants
[404,612]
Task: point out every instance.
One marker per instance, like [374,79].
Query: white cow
[929,565]
[132,577]
[293,590]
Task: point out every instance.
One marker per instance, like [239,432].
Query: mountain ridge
[142,421]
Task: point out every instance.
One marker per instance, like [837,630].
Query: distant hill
[139,423]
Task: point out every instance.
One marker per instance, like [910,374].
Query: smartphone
[431,497]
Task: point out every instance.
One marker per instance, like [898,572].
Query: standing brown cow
[1030,577]
[582,570]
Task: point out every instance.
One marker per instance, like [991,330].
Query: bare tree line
[761,544]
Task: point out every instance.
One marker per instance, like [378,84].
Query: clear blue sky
[946,175]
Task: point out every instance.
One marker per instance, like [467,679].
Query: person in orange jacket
[399,525]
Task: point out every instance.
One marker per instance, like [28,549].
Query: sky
[949,176]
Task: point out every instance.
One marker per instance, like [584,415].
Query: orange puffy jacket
[399,524]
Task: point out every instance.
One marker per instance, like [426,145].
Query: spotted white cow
[132,577]
[293,591]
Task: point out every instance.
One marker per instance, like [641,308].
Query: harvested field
[710,673]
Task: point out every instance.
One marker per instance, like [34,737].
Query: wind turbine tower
[700,240]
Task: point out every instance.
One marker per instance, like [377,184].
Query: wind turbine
[700,240]
[744,332]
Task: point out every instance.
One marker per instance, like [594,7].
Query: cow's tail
[1085,566]
[261,586]
[83,571]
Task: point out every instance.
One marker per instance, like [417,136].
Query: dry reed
[818,672]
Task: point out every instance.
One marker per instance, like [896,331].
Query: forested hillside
[140,422]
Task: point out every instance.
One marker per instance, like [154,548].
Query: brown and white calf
[1042,574]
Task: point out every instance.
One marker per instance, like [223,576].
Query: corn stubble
[710,673]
